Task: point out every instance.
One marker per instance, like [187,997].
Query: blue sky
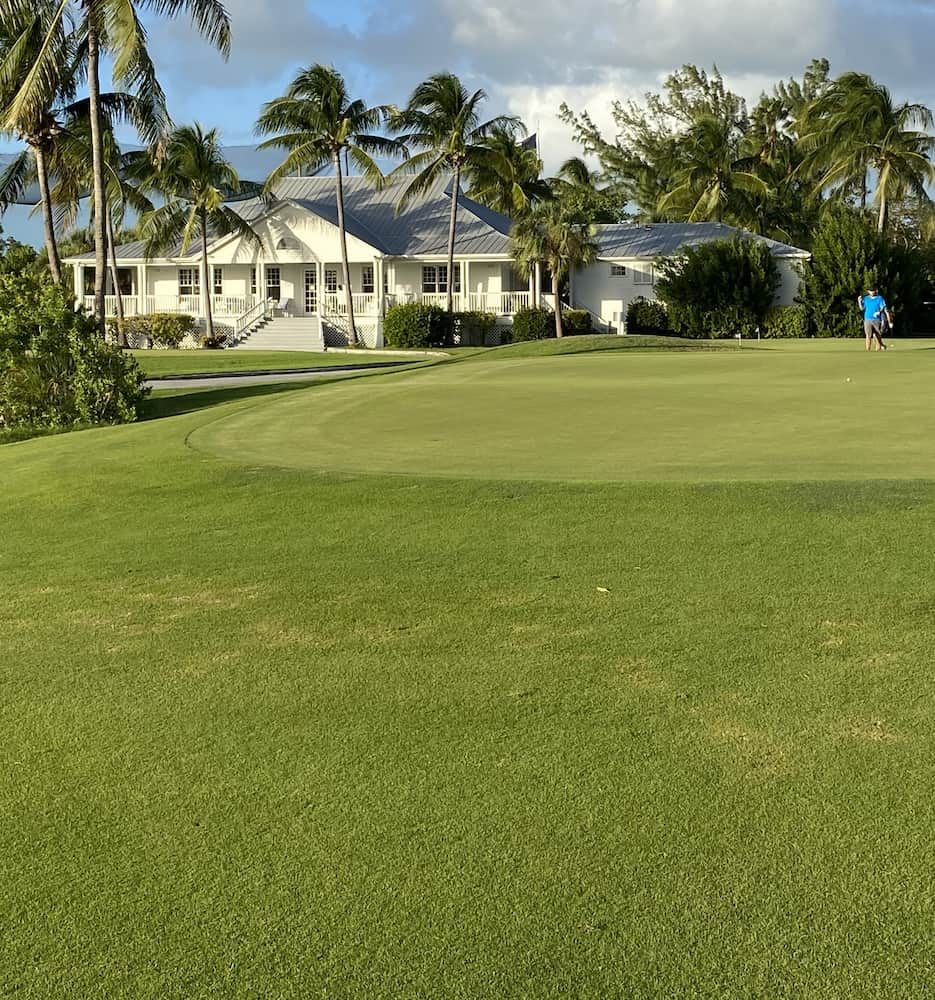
[530,55]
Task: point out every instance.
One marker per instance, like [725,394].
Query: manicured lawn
[162,364]
[275,726]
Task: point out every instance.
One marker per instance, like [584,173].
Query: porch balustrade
[365,303]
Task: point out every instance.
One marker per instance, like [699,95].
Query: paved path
[229,379]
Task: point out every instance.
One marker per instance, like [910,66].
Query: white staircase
[296,333]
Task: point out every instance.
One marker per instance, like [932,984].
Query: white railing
[190,304]
[231,305]
[499,303]
[131,305]
[365,303]
[245,323]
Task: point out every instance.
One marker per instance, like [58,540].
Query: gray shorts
[872,327]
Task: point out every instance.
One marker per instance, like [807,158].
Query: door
[311,290]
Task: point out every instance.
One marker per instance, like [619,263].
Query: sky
[531,55]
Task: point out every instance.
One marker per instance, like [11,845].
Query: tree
[580,190]
[853,131]
[114,28]
[715,179]
[316,122]
[195,180]
[442,121]
[647,157]
[553,234]
[848,257]
[72,166]
[508,180]
[718,289]
[22,34]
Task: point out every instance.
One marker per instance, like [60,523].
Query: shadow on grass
[178,401]
[174,402]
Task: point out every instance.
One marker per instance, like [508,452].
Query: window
[273,283]
[218,281]
[617,270]
[435,278]
[331,280]
[189,281]
[644,275]
[253,281]
[366,279]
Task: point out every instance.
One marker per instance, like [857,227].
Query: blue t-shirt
[874,306]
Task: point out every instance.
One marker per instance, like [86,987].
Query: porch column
[78,280]
[378,278]
[261,279]
[320,279]
[466,283]
[532,288]
[537,287]
[141,288]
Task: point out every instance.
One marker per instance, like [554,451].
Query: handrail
[262,308]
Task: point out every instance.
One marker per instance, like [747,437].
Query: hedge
[647,316]
[159,329]
[533,324]
[415,324]
[785,321]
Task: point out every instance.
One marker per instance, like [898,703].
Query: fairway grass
[277,728]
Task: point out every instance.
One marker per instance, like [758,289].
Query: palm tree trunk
[352,340]
[45,199]
[556,287]
[121,336]
[206,287]
[881,221]
[97,166]
[452,224]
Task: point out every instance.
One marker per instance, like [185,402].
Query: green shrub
[849,256]
[784,321]
[166,330]
[647,316]
[470,329]
[67,376]
[576,322]
[533,324]
[718,289]
[415,325]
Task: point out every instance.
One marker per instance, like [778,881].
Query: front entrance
[311,290]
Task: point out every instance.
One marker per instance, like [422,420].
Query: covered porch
[309,288]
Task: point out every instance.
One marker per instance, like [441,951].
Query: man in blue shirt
[876,314]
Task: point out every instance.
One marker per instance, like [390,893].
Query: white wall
[596,289]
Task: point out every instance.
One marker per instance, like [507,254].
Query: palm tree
[315,122]
[72,168]
[195,180]
[714,177]
[442,120]
[854,130]
[508,179]
[114,28]
[21,40]
[552,233]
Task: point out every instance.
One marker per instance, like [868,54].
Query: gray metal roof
[370,215]
[661,239]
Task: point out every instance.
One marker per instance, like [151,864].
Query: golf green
[825,412]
